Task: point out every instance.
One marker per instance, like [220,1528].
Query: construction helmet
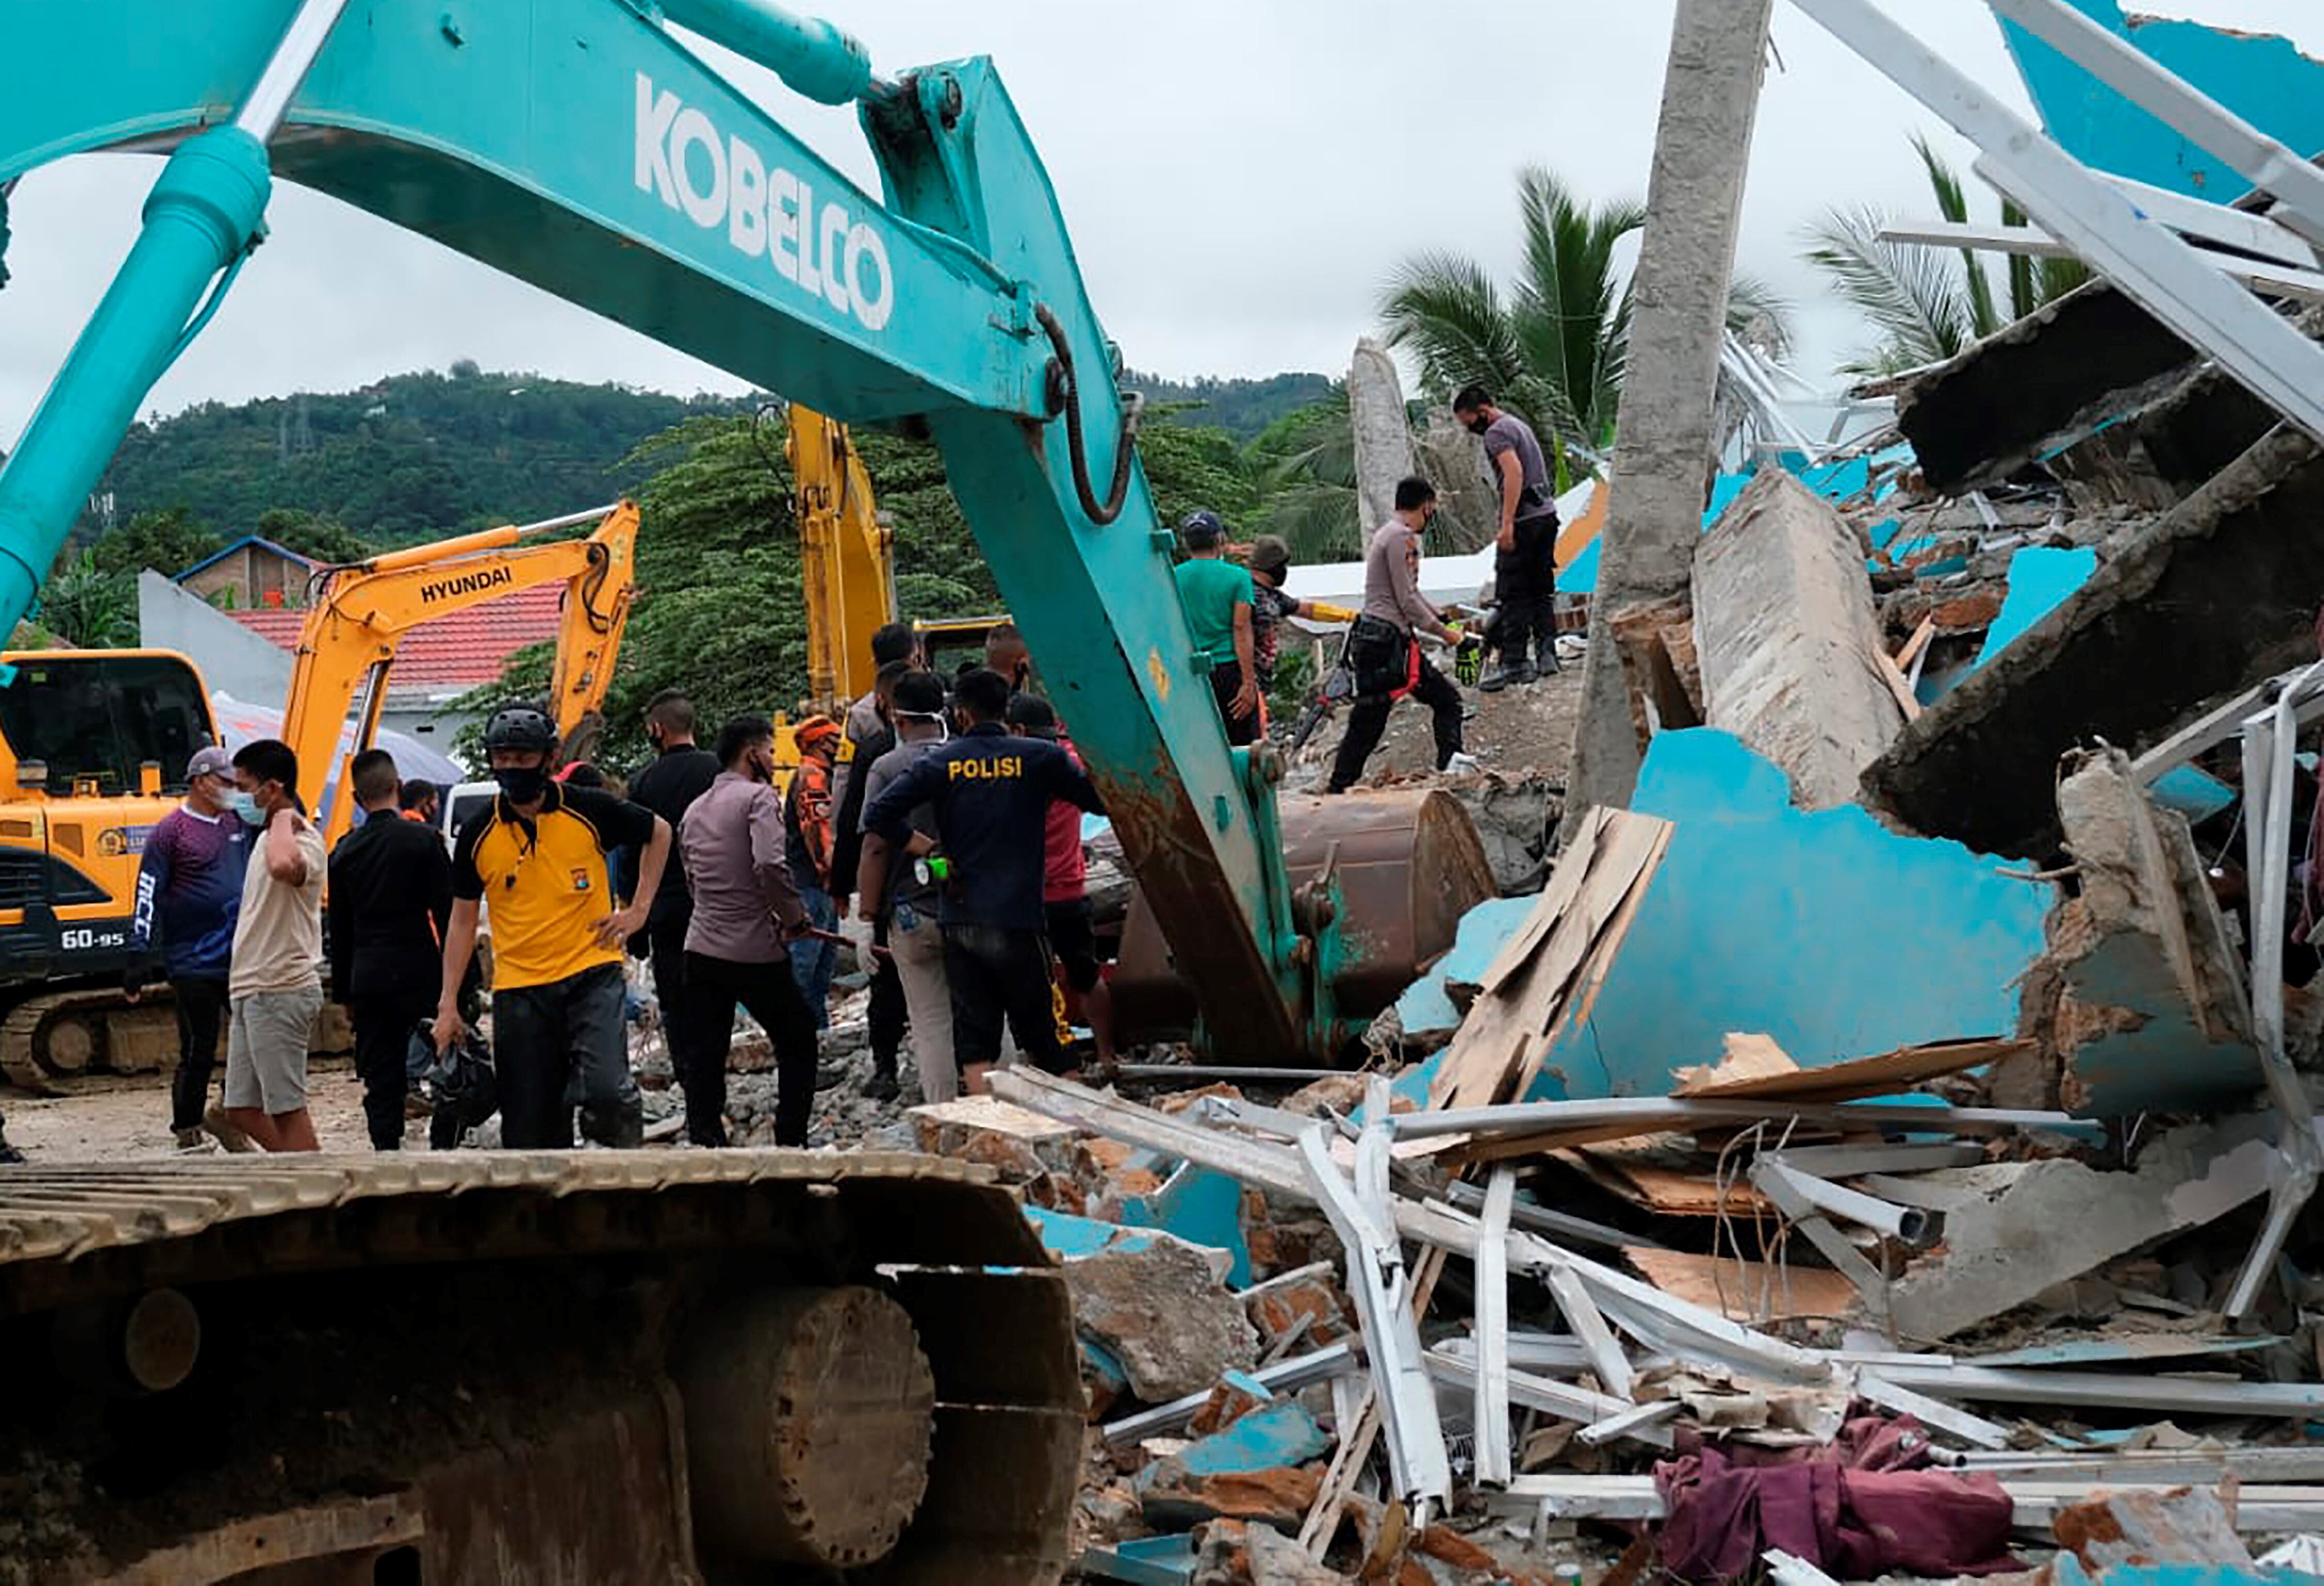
[522,727]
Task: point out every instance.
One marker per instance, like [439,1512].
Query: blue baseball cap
[1203,528]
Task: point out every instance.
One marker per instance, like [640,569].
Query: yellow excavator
[93,752]
[361,611]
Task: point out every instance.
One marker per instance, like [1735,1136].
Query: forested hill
[420,455]
[413,457]
[1241,407]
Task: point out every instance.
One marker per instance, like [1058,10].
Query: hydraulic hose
[1099,513]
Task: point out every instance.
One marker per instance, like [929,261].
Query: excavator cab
[93,752]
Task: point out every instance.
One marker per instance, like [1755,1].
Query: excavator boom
[846,554]
[361,611]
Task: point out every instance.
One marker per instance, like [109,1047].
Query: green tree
[1551,345]
[1195,467]
[1929,304]
[89,607]
[167,541]
[1305,466]
[311,535]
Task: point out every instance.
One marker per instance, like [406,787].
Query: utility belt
[1380,655]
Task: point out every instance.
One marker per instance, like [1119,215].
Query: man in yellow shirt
[539,852]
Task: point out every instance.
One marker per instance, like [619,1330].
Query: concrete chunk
[2137,1000]
[2213,597]
[2029,1225]
[1785,630]
[1162,1312]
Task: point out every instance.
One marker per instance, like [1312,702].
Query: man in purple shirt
[1525,572]
[746,911]
[188,895]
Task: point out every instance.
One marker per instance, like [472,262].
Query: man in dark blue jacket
[990,792]
[189,896]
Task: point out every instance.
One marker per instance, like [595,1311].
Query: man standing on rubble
[539,850]
[903,895]
[1218,597]
[1065,907]
[275,984]
[1525,569]
[391,900]
[421,801]
[681,772]
[745,910]
[885,1012]
[992,793]
[188,891]
[1383,647]
[809,817]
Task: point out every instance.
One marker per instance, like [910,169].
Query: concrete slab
[1785,634]
[2042,383]
[2217,594]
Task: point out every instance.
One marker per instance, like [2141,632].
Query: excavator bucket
[1404,867]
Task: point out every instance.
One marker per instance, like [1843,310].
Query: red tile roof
[458,651]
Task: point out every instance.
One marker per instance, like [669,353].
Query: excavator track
[63,1041]
[539,1369]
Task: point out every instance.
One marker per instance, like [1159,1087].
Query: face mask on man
[521,784]
[1479,424]
[245,803]
[943,723]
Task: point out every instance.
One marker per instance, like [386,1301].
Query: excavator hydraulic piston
[810,55]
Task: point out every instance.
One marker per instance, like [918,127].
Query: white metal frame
[2176,283]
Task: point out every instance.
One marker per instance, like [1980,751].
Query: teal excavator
[566,1368]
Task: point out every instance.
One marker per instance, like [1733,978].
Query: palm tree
[1554,344]
[1926,307]
[89,607]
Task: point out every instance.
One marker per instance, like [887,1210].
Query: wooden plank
[1566,879]
[1743,1057]
[1744,1291]
[1500,1044]
[1860,1076]
[1918,643]
[1906,700]
[1590,975]
[1667,1192]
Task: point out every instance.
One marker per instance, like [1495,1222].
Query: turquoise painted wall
[1824,931]
[2261,78]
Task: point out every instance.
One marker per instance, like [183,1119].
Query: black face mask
[522,784]
[1479,424]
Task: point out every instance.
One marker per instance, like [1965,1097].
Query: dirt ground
[1518,732]
[131,1118]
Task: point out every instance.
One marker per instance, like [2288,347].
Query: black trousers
[995,973]
[885,1016]
[1368,719]
[666,946]
[559,1047]
[771,995]
[1226,681]
[202,1009]
[382,1059]
[1525,580]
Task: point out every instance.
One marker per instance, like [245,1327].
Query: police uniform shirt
[545,879]
[992,795]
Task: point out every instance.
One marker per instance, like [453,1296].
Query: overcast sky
[1240,176]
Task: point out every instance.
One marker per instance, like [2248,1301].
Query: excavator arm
[582,146]
[362,612]
[846,554]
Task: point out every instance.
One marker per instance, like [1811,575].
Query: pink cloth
[1864,1506]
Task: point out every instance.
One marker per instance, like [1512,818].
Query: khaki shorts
[266,1049]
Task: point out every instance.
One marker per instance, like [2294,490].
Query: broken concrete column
[1454,460]
[2137,1001]
[1383,435]
[1678,321]
[2210,599]
[2013,1230]
[1785,632]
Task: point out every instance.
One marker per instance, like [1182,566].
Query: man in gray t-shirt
[1525,572]
[910,894]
